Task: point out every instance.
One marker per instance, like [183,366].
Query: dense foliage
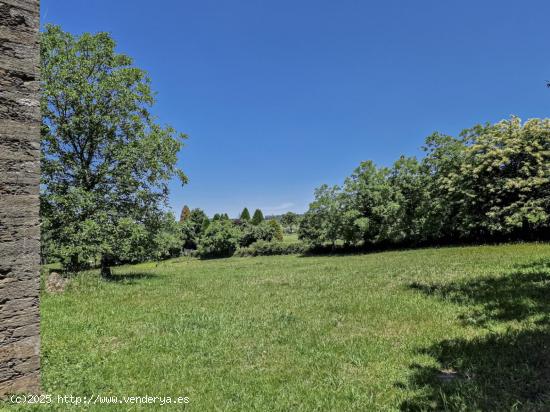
[106,164]
[263,248]
[185,213]
[250,233]
[192,228]
[491,183]
[220,239]
[290,222]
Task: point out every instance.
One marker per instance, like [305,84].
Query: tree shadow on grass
[500,371]
[129,277]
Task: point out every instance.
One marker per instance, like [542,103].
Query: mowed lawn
[463,328]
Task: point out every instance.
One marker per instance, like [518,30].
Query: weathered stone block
[19,202]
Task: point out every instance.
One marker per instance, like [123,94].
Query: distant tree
[167,240]
[289,221]
[185,213]
[105,163]
[245,214]
[197,216]
[192,228]
[258,217]
[216,217]
[277,229]
[250,233]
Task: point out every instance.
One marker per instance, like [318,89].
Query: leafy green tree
[258,217]
[106,164]
[192,228]
[504,180]
[197,216]
[410,182]
[185,213]
[289,221]
[445,214]
[323,222]
[166,241]
[369,192]
[245,215]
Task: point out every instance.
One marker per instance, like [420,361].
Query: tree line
[492,183]
[222,236]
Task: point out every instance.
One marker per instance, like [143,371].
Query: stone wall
[19,204]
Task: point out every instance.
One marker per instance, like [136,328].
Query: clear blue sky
[281,96]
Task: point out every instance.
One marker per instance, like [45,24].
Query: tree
[322,223]
[277,229]
[192,228]
[258,217]
[289,221]
[105,162]
[245,215]
[444,157]
[410,182]
[368,192]
[504,180]
[185,213]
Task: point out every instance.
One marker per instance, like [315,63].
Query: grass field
[453,328]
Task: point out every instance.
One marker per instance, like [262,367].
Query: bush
[263,248]
[250,233]
[220,239]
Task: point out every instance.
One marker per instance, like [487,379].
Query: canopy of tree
[245,214]
[105,162]
[258,217]
[185,213]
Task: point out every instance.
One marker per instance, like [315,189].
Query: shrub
[263,248]
[250,233]
[219,240]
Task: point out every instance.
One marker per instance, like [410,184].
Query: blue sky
[281,96]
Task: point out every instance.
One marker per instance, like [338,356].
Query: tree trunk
[106,262]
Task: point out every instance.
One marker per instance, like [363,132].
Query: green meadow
[462,328]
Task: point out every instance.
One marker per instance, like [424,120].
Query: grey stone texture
[19,202]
